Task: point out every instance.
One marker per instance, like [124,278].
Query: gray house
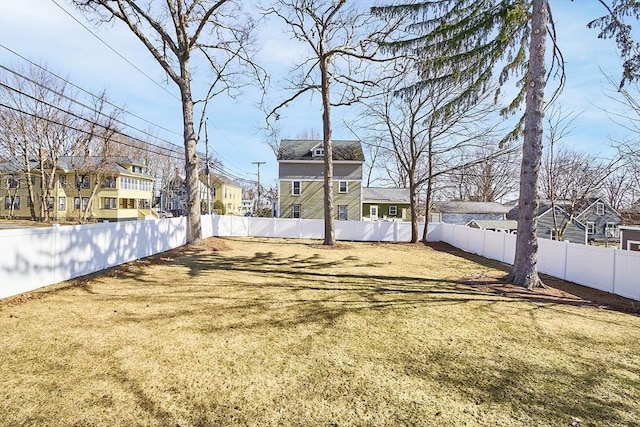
[462,212]
[593,220]
[571,229]
[602,220]
[301,179]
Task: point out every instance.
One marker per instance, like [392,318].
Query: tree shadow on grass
[557,291]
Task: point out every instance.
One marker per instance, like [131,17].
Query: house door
[373,212]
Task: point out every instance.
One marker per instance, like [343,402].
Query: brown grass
[276,332]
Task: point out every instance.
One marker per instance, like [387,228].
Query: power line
[89,133]
[120,108]
[76,102]
[115,51]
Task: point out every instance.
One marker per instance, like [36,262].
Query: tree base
[529,281]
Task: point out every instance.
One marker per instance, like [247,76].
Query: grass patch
[279,332]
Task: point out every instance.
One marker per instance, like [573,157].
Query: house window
[12,182]
[52,201]
[62,180]
[318,152]
[591,227]
[29,201]
[110,203]
[296,188]
[33,180]
[599,208]
[342,212]
[16,202]
[109,182]
[611,230]
[62,203]
[76,203]
[343,187]
[393,210]
[296,211]
[82,181]
[85,203]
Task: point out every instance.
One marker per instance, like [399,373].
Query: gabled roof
[587,203]
[385,195]
[470,207]
[544,206]
[564,206]
[488,224]
[301,149]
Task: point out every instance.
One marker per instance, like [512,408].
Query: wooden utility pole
[206,145]
[258,201]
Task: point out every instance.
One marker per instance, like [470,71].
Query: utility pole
[206,145]
[258,201]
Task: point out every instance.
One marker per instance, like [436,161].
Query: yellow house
[91,188]
[229,193]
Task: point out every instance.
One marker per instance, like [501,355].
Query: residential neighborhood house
[385,203]
[174,196]
[593,220]
[503,226]
[458,212]
[94,188]
[630,237]
[301,179]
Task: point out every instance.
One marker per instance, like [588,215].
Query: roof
[301,149]
[106,164]
[82,163]
[471,207]
[487,224]
[385,195]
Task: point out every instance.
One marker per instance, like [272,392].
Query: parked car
[164,214]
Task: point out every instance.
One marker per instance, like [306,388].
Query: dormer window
[318,152]
[599,208]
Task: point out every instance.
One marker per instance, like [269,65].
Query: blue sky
[40,31]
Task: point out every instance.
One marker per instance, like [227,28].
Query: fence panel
[627,274]
[590,266]
[494,244]
[475,240]
[552,257]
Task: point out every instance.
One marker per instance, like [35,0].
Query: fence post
[56,230]
[613,281]
[566,259]
[395,232]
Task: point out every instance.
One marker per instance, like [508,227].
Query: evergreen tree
[464,41]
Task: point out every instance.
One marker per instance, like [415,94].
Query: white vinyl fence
[31,258]
[612,270]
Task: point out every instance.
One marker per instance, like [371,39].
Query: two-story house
[113,188]
[591,219]
[301,179]
[174,196]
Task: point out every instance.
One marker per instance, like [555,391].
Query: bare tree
[340,39]
[416,130]
[172,32]
[485,174]
[567,176]
[40,123]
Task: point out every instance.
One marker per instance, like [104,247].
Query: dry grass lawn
[261,332]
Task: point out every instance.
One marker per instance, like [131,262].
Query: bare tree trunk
[524,271]
[191,158]
[329,231]
[413,201]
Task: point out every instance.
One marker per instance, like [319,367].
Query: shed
[630,237]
